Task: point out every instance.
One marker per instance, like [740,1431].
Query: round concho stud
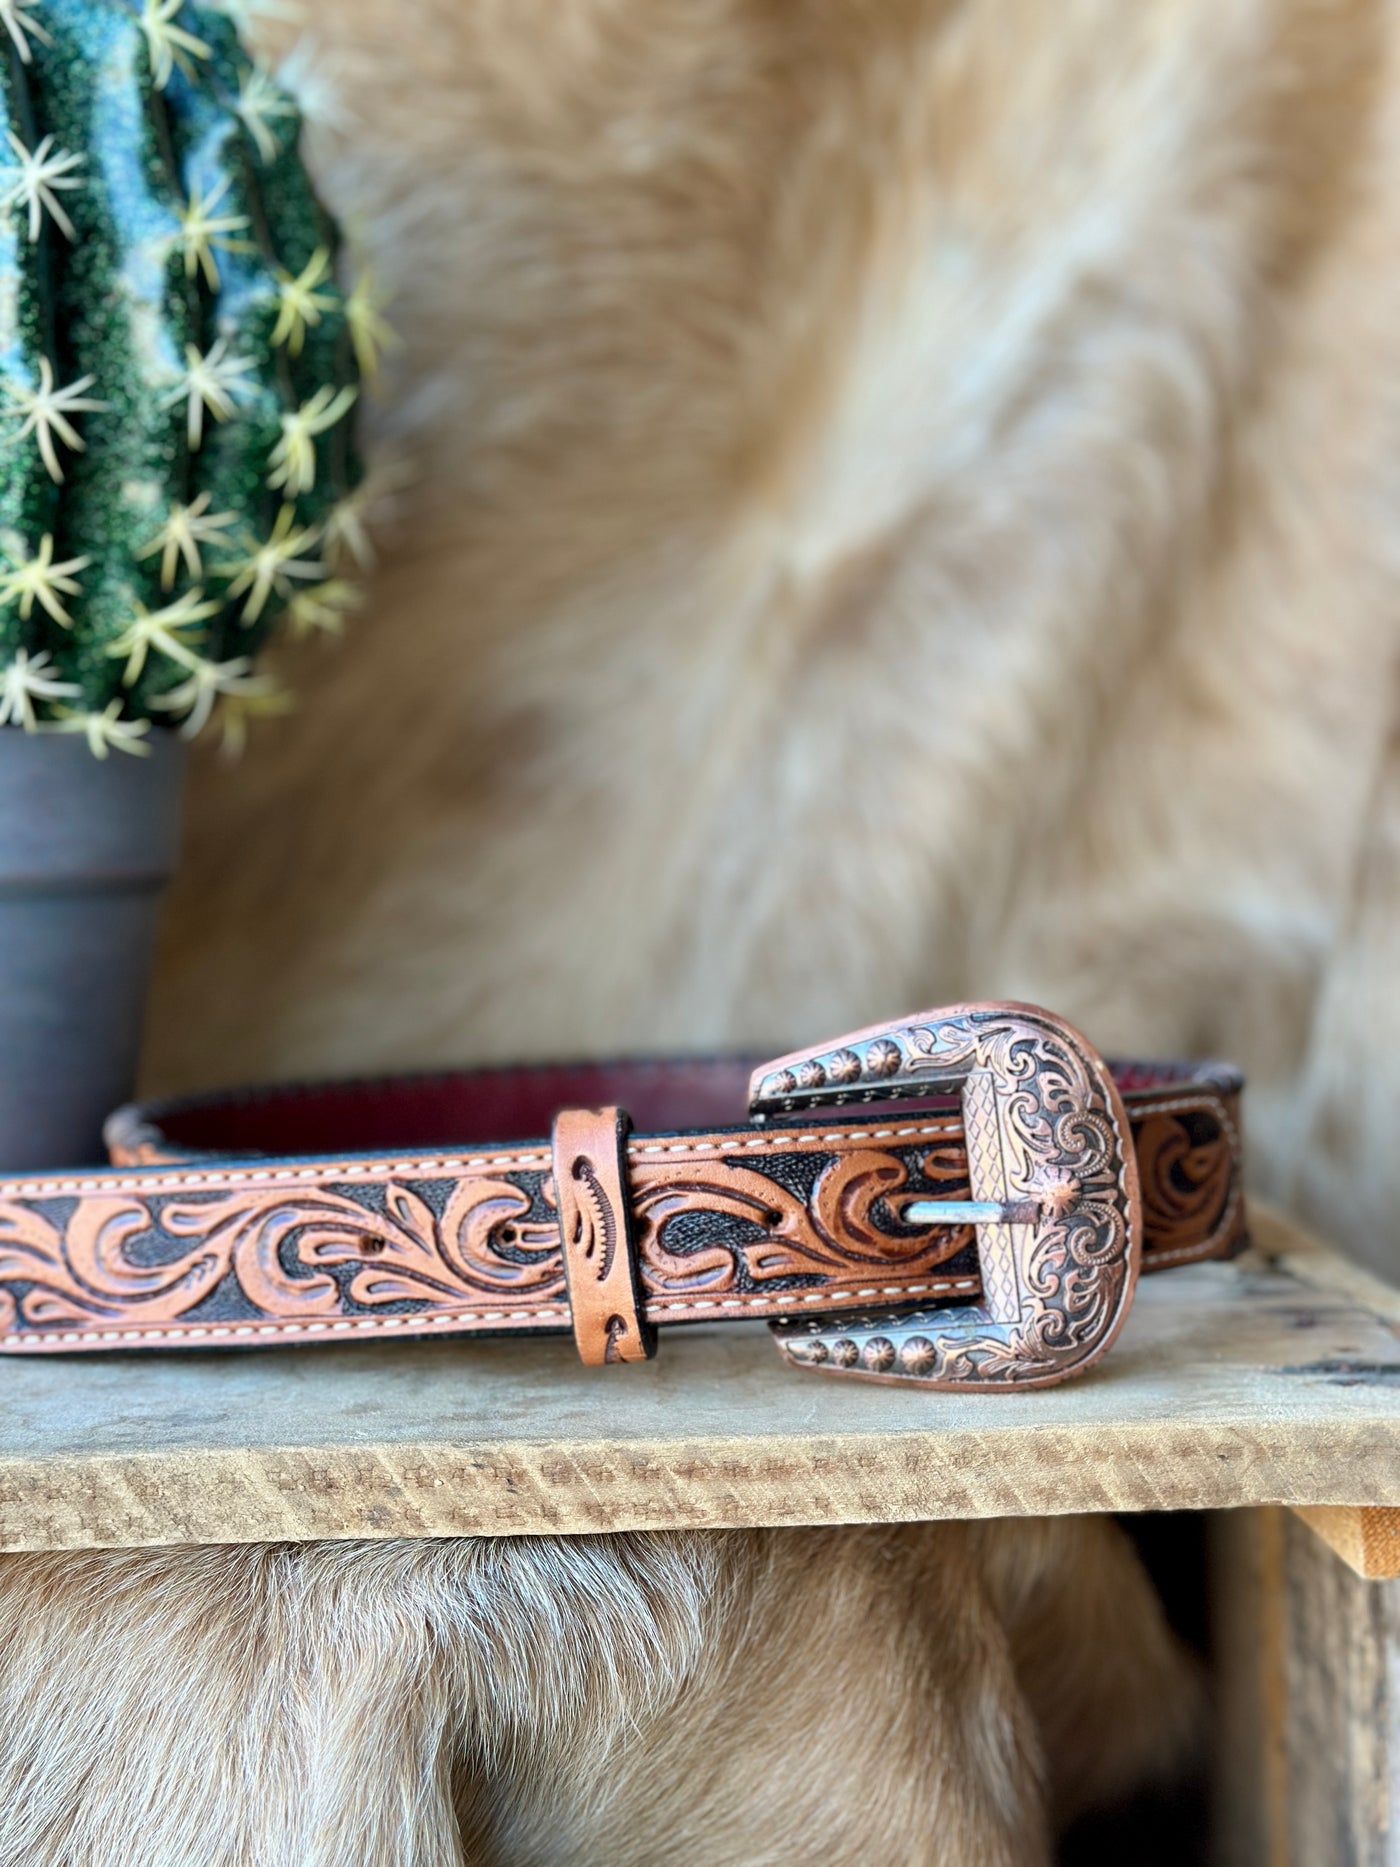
[918,1355]
[813,1352]
[878,1354]
[845,1353]
[844,1067]
[810,1074]
[882,1058]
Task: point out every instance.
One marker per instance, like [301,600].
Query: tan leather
[187,1243]
[597,1238]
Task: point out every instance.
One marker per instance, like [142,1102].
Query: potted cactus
[179,369]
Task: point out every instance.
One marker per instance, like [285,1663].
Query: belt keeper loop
[601,1268]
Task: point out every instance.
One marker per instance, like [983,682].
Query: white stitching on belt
[466,1320]
[939,1287]
[638,1149]
[156,1182]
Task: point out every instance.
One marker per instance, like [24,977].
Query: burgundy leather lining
[465,1109]
[474,1108]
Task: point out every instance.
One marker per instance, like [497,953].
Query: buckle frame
[1055,1197]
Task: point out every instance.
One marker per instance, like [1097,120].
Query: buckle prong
[971,1212]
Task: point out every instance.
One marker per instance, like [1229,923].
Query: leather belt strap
[405,1208]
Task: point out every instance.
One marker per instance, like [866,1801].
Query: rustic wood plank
[1275,1379]
[1308,1683]
[1366,1539]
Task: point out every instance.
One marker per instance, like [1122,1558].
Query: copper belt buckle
[1054,1197]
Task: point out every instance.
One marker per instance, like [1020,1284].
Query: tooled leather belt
[963,1199]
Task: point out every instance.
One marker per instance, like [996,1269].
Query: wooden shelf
[1275,1379]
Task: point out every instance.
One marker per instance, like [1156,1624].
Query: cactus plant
[178,372]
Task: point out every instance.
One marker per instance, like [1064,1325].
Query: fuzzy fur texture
[906,510]
[735,1700]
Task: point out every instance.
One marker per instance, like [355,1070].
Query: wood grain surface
[1367,1539]
[1308,1693]
[1275,1379]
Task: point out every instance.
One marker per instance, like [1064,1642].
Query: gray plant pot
[86,847]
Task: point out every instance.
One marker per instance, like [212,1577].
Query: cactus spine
[178,372]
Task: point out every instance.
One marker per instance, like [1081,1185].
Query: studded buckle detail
[1054,1197]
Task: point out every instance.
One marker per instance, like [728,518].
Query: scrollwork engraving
[280,1249]
[1060,1134]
